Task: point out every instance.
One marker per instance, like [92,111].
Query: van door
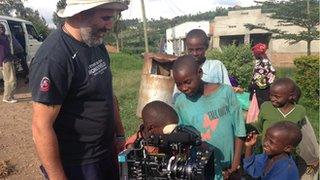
[18,33]
[33,42]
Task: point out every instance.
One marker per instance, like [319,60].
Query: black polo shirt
[69,73]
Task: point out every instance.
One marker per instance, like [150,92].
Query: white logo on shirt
[74,55]
[97,67]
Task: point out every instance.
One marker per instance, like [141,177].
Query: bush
[285,72]
[238,61]
[307,78]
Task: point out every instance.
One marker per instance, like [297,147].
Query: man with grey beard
[74,121]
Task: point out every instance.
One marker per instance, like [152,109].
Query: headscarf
[259,49]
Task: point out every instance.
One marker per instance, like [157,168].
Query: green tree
[58,21]
[302,13]
[16,8]
[237,59]
[38,21]
[9,7]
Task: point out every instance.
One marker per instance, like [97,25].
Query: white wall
[233,24]
[178,34]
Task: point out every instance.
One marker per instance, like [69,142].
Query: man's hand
[251,139]
[119,140]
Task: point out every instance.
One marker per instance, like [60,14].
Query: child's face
[275,142]
[196,48]
[187,82]
[279,96]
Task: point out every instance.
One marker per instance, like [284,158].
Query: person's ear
[200,72]
[150,129]
[292,96]
[288,149]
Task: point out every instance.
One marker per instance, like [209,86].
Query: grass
[126,71]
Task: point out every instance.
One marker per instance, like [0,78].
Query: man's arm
[117,117]
[45,139]
[120,134]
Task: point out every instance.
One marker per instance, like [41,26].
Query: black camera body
[182,155]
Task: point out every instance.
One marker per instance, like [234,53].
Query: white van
[24,32]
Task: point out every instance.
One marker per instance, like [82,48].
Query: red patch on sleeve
[45,84]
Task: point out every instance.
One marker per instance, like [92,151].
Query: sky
[154,8]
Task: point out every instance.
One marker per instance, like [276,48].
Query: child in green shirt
[281,106]
[284,94]
[214,111]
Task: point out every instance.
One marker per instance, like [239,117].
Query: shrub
[238,61]
[307,78]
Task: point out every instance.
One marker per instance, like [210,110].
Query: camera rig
[181,155]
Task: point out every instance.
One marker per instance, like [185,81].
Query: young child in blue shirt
[213,110]
[276,162]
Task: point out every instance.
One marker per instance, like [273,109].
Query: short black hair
[198,33]
[287,82]
[297,94]
[158,113]
[185,63]
[292,131]
[289,85]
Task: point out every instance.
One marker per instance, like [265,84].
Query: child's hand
[230,174]
[238,89]
[251,139]
[226,174]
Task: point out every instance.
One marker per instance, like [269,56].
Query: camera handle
[169,166]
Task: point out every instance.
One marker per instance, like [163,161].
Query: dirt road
[16,145]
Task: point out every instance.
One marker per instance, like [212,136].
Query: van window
[32,32]
[6,26]
[17,32]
